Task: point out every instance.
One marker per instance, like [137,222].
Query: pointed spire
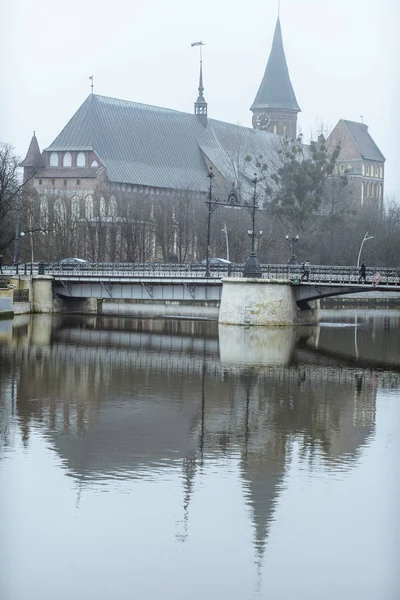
[200,106]
[276,89]
[33,157]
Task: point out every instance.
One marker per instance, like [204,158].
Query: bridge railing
[318,273]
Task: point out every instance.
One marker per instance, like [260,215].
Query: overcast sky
[342,57]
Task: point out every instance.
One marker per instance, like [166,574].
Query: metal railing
[21,296]
[318,273]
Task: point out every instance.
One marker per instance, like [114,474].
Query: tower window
[53,181]
[67,162]
[285,129]
[275,128]
[65,182]
[54,159]
[78,182]
[80,159]
[40,182]
[94,163]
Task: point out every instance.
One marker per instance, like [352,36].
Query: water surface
[161,459]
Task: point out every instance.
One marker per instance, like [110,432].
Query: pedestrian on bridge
[306,271]
[363,274]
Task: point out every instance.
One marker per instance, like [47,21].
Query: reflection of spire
[189,471]
[263,466]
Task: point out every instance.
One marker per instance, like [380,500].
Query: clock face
[263,120]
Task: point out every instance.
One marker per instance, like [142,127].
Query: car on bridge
[69,264]
[217,262]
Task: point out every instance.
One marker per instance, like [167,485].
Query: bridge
[191,285]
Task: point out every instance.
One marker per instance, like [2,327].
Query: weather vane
[201,49]
[91,77]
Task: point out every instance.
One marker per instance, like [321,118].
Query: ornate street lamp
[211,208]
[293,239]
[252,267]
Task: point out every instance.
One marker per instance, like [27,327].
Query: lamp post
[252,267]
[366,238]
[293,239]
[17,234]
[211,176]
[257,234]
[225,230]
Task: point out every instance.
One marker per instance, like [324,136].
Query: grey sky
[342,57]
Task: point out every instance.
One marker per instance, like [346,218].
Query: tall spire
[276,92]
[200,106]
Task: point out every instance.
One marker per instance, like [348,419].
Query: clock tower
[275,107]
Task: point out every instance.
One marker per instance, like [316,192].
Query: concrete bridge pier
[263,302]
[42,294]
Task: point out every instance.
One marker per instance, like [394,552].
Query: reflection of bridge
[272,354]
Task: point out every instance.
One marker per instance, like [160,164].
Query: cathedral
[144,152]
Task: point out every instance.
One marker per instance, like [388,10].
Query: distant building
[362,161]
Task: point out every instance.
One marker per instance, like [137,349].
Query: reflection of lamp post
[252,267]
[366,238]
[293,239]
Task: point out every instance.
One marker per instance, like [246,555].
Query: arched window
[103,208]
[94,163]
[44,212]
[363,169]
[59,210]
[112,208]
[80,160]
[67,162]
[54,159]
[75,208]
[380,172]
[285,129]
[275,128]
[89,207]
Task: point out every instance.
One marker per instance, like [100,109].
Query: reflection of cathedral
[118,403]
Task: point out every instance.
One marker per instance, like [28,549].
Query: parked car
[67,264]
[217,262]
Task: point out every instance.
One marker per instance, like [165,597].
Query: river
[176,459]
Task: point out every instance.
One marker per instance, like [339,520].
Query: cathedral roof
[364,142]
[33,157]
[276,89]
[160,147]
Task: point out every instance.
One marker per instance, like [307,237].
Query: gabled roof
[276,89]
[33,157]
[152,146]
[364,142]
